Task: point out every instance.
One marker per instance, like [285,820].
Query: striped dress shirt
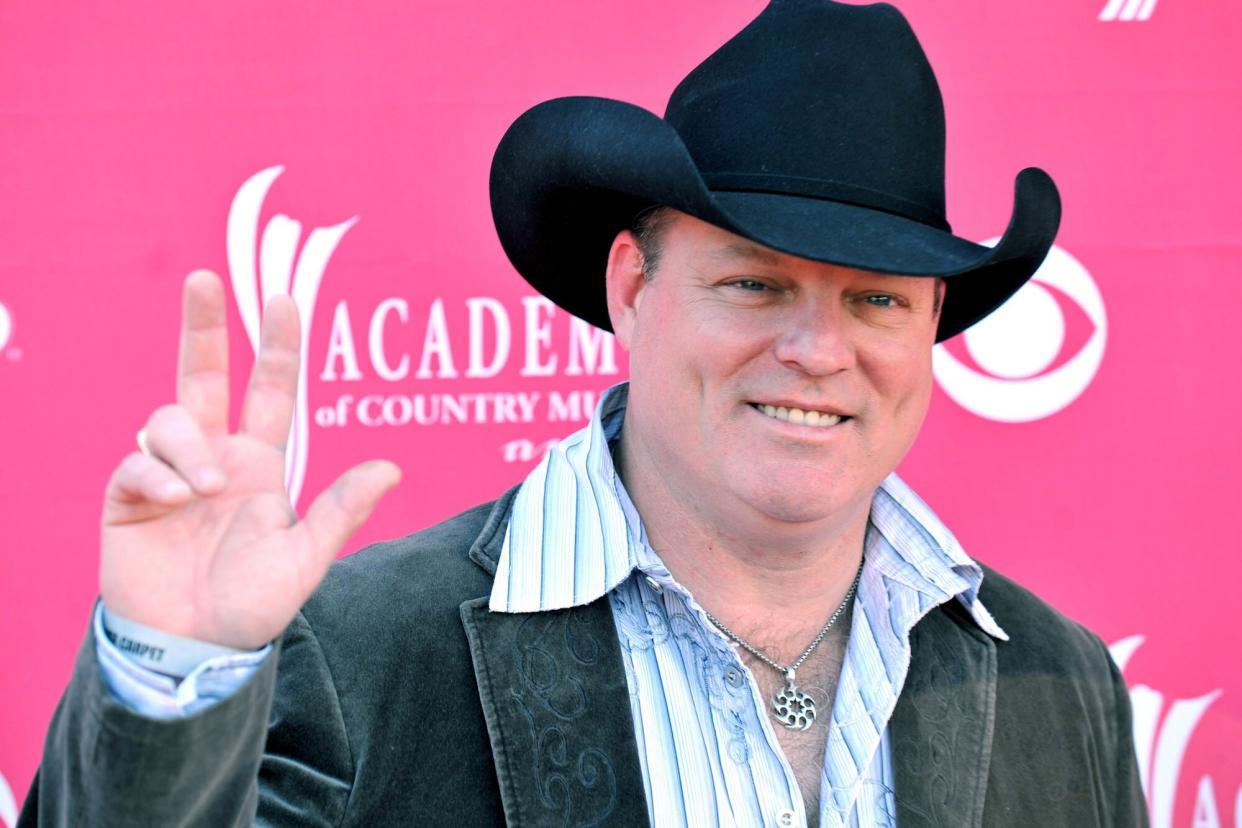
[708,751]
[706,743]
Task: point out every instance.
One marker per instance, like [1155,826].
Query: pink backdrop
[1087,446]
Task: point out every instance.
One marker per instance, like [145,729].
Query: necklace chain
[773,663]
[791,706]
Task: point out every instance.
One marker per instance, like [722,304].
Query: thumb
[339,510]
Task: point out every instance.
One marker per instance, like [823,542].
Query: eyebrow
[742,250]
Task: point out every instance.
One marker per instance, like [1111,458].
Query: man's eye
[882,300]
[750,284]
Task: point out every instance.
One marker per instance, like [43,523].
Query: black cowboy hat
[818,131]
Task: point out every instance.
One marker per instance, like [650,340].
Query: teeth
[819,419]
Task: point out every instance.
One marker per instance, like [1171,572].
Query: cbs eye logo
[1020,347]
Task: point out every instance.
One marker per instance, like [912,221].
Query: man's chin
[802,506]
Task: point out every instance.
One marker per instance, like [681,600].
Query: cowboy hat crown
[818,131]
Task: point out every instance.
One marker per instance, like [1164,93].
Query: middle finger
[267,410]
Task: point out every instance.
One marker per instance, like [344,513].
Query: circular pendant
[793,708]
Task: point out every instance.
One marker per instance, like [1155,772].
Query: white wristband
[157,650]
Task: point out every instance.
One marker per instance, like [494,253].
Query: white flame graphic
[1160,753]
[278,272]
[1127,10]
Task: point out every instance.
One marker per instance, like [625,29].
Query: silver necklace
[791,706]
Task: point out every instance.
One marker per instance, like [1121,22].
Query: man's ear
[625,283]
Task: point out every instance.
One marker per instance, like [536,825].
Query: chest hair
[804,749]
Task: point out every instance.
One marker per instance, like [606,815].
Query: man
[714,606]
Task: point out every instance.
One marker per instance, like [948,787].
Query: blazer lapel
[942,725]
[556,702]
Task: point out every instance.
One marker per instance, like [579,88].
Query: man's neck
[772,582]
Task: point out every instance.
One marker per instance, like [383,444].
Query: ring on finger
[141,438]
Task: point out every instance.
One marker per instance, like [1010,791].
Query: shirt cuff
[213,673]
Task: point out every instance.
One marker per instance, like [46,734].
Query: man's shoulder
[446,543]
[1040,635]
[443,564]
[380,648]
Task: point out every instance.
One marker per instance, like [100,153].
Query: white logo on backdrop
[1127,10]
[8,805]
[525,451]
[280,270]
[1019,341]
[1161,749]
[6,326]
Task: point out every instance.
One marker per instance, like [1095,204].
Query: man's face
[732,343]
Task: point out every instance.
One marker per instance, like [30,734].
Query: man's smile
[799,416]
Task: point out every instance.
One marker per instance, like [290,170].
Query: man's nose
[816,339]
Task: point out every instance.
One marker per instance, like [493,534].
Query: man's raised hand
[199,538]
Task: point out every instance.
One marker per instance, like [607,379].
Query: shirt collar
[574,534]
[907,543]
[568,541]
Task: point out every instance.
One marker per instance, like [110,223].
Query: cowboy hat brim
[570,173]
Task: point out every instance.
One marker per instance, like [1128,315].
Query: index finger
[203,357]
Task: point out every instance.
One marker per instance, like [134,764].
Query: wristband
[160,651]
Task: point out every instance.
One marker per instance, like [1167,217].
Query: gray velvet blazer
[397,699]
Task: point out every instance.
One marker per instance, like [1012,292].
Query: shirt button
[654,584]
[786,817]
[733,677]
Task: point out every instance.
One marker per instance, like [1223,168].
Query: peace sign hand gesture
[199,538]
